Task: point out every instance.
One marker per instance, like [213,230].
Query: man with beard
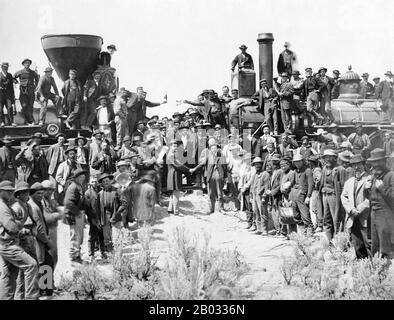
[105,160]
[65,171]
[28,83]
[7,159]
[7,95]
[382,205]
[301,195]
[331,189]
[355,200]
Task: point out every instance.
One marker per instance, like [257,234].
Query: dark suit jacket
[108,166]
[210,161]
[243,61]
[44,86]
[263,96]
[91,90]
[384,91]
[287,98]
[66,91]
[3,159]
[73,201]
[7,86]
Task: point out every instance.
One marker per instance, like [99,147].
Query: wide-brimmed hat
[6,186]
[376,78]
[3,64]
[183,125]
[329,152]
[257,160]
[296,72]
[37,135]
[308,69]
[298,157]
[345,156]
[263,80]
[79,172]
[21,186]
[96,132]
[80,137]
[7,139]
[357,159]
[27,60]
[336,72]
[105,175]
[70,148]
[48,184]
[377,154]
[176,114]
[322,68]
[364,75]
[243,47]
[48,69]
[275,157]
[111,46]
[36,187]
[102,98]
[60,134]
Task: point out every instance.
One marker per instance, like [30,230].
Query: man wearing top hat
[74,201]
[105,56]
[243,60]
[28,83]
[384,93]
[45,84]
[7,95]
[7,159]
[366,88]
[12,256]
[381,187]
[360,141]
[355,200]
[287,60]
[91,92]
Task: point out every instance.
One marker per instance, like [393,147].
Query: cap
[102,98]
[329,152]
[26,60]
[48,69]
[111,46]
[122,163]
[36,187]
[5,64]
[105,175]
[322,68]
[257,160]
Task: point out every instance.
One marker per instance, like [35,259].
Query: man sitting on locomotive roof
[44,93]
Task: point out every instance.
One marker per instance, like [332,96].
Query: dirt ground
[263,254]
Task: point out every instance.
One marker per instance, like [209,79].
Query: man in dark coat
[7,160]
[7,95]
[265,98]
[91,92]
[105,56]
[388,146]
[286,60]
[55,154]
[75,214]
[72,93]
[312,89]
[44,93]
[384,93]
[28,83]
[336,84]
[382,205]
[36,165]
[326,84]
[367,90]
[105,160]
[215,170]
[244,60]
[286,92]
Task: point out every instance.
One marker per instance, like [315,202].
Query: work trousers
[382,233]
[96,237]
[215,191]
[173,204]
[316,207]
[44,105]
[88,113]
[325,106]
[286,118]
[260,213]
[122,129]
[52,234]
[73,112]
[27,103]
[12,259]
[361,239]
[271,116]
[301,211]
[332,223]
[76,236]
[7,103]
[246,206]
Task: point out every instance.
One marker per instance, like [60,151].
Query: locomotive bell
[349,87]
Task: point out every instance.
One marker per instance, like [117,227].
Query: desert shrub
[331,271]
[195,270]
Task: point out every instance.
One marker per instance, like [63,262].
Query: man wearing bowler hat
[72,93]
[244,60]
[27,85]
[381,186]
[12,257]
[355,200]
[287,59]
[7,95]
[74,201]
[44,93]
[384,94]
[366,88]
[285,93]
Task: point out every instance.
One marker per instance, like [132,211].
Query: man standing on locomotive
[72,93]
[28,83]
[7,95]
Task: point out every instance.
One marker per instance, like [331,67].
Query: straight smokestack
[265,41]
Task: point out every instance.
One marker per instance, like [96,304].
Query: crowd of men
[325,182]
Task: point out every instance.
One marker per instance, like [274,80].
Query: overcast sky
[184,46]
